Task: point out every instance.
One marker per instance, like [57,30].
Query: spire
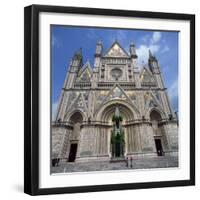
[152,62]
[78,54]
[132,44]
[150,54]
[133,51]
[99,49]
[77,60]
[99,42]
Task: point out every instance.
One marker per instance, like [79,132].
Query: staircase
[144,163]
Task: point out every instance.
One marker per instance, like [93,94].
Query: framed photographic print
[109,100]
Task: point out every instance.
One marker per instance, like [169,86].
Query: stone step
[147,163]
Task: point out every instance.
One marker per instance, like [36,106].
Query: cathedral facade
[113,109]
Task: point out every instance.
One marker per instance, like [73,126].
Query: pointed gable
[85,73]
[116,93]
[116,51]
[77,104]
[151,101]
[146,76]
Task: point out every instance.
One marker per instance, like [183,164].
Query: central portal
[117,135]
[117,115]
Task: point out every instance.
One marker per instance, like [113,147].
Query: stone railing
[82,85]
[126,85]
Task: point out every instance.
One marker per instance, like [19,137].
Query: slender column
[139,145]
[131,140]
[109,141]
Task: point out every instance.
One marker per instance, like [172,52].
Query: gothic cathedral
[113,109]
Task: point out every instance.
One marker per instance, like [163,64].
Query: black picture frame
[31,98]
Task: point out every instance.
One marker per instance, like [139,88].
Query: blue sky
[66,40]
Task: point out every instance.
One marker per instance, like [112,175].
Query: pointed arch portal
[116,133]
[76,119]
[155,118]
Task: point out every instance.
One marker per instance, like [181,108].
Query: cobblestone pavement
[147,163]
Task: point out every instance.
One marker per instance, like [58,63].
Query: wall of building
[137,101]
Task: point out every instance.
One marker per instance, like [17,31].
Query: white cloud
[55,42]
[173,94]
[156,37]
[145,38]
[54,110]
[154,48]
[173,89]
[143,52]
[165,49]
[151,43]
